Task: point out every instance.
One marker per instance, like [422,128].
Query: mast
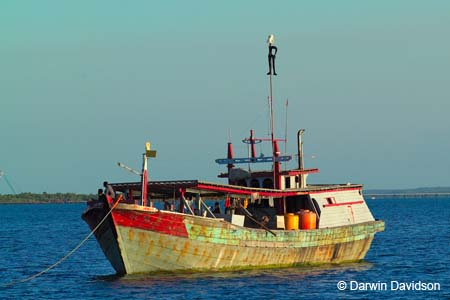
[144,176]
[272,133]
[275,151]
[276,157]
[144,181]
[286,127]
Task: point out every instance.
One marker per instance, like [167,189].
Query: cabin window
[254,183]
[268,183]
[287,182]
[331,200]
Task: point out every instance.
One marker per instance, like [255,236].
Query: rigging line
[68,254]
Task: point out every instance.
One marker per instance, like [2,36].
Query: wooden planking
[214,244]
[151,251]
[150,240]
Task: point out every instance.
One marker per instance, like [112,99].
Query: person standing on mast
[272,55]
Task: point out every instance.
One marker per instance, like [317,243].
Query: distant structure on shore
[429,192]
[3,176]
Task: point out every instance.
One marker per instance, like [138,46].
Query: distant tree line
[45,198]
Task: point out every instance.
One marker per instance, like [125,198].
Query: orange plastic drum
[291,221]
[307,220]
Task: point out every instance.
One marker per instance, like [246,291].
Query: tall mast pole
[272,131]
[286,128]
[275,151]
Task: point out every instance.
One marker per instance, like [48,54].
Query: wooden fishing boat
[272,218]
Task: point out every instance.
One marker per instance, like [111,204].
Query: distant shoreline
[422,192]
[407,195]
[44,198]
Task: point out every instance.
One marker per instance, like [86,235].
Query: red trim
[166,223]
[297,172]
[265,193]
[344,203]
[247,192]
[336,190]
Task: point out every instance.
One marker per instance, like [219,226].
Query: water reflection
[283,274]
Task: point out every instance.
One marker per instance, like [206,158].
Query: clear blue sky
[83,85]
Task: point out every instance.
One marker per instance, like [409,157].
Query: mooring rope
[68,254]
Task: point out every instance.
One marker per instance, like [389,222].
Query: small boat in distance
[272,218]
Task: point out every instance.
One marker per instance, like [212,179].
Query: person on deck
[167,205]
[109,191]
[102,197]
[217,209]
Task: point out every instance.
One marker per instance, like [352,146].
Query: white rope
[68,254]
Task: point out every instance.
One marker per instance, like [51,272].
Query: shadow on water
[291,273]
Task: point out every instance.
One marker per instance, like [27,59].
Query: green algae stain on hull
[217,245]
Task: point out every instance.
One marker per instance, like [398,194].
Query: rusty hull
[213,244]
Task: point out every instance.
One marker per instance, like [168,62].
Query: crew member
[109,191]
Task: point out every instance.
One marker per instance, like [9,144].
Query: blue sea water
[414,248]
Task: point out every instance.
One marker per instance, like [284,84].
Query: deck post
[302,177]
[144,181]
[276,166]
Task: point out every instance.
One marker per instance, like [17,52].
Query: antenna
[128,169]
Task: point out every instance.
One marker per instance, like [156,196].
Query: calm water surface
[414,247]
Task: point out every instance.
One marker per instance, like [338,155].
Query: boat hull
[149,241]
[106,236]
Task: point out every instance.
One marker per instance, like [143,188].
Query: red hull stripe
[159,222]
[336,190]
[344,203]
